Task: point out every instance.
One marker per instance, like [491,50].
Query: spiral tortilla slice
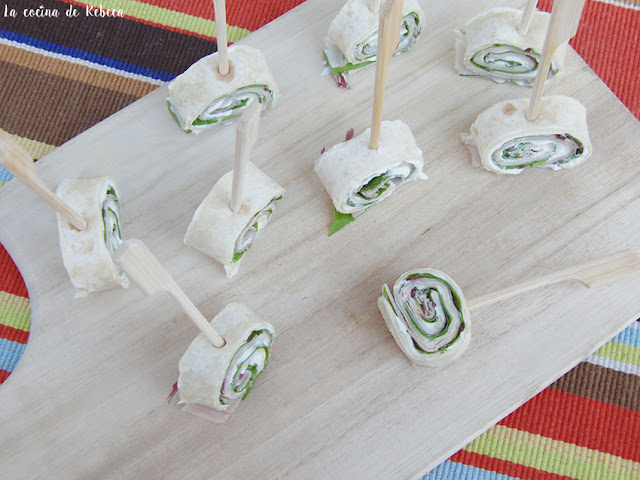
[218,378]
[489,45]
[427,316]
[357,177]
[503,141]
[87,254]
[200,97]
[225,235]
[352,40]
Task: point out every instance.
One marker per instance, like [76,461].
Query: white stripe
[78,61]
[622,4]
[614,365]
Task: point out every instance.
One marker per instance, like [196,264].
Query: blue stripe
[629,336]
[5,176]
[82,55]
[449,470]
[10,353]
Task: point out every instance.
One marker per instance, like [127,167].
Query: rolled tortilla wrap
[502,140]
[200,97]
[225,235]
[87,254]
[352,40]
[427,316]
[357,177]
[489,45]
[218,378]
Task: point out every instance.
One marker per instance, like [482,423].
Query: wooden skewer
[578,7]
[246,136]
[527,15]
[375,5]
[18,161]
[221,36]
[388,38]
[135,259]
[590,274]
[563,24]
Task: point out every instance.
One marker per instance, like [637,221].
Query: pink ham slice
[211,414]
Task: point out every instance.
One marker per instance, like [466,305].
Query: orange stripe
[75,72]
[4,375]
[580,421]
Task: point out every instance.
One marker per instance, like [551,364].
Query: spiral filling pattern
[432,310]
[378,187]
[247,364]
[508,62]
[111,223]
[551,151]
[367,49]
[253,229]
[228,107]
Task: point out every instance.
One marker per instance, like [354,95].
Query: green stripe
[552,456]
[36,149]
[620,352]
[167,18]
[15,311]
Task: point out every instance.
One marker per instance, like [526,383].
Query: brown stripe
[73,71]
[122,39]
[602,384]
[52,109]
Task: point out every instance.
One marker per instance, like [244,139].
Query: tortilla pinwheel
[427,316]
[200,97]
[352,41]
[356,177]
[503,141]
[490,46]
[87,254]
[213,380]
[225,235]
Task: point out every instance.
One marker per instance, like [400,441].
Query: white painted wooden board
[339,399]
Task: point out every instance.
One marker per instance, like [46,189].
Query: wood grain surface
[338,399]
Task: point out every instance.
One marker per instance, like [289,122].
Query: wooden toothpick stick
[388,37]
[221,36]
[527,15]
[135,259]
[591,274]
[578,7]
[565,18]
[18,161]
[246,136]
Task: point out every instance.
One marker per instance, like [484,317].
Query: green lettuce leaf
[340,220]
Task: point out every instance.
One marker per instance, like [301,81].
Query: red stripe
[13,334]
[242,14]
[580,421]
[10,279]
[250,15]
[605,42]
[169,27]
[4,375]
[504,467]
[147,22]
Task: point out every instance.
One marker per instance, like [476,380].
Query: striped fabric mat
[62,75]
